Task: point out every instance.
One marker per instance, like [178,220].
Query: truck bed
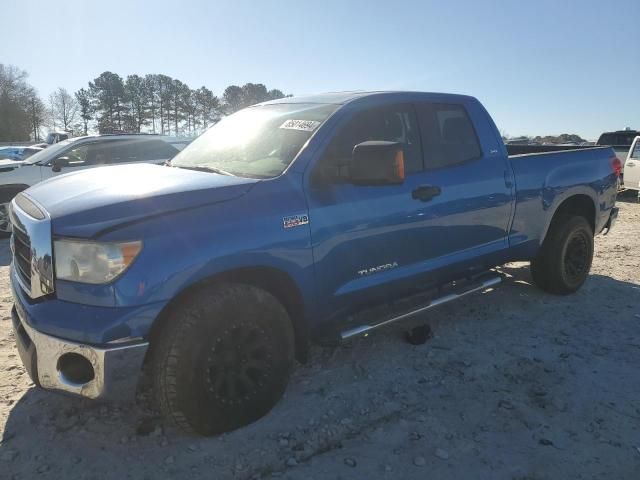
[543,180]
[515,150]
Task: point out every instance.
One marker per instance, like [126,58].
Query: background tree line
[153,103]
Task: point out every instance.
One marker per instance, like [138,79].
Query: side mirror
[377,163]
[58,163]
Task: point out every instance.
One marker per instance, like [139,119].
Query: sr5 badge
[295,220]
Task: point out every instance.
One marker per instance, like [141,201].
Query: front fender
[181,249]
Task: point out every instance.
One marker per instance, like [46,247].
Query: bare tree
[64,109]
[16,121]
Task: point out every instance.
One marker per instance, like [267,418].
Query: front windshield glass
[49,152]
[258,142]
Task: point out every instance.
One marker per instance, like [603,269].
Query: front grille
[32,248]
[22,254]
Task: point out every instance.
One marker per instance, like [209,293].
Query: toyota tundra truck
[304,219]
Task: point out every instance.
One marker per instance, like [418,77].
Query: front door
[364,235]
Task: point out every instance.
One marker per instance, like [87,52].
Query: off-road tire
[564,260]
[222,358]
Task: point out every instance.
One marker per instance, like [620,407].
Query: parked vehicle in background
[296,220]
[80,153]
[620,141]
[56,137]
[632,166]
[17,153]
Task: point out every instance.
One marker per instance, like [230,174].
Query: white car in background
[632,167]
[80,153]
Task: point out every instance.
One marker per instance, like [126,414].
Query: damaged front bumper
[99,373]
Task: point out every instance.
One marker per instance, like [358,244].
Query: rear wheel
[223,359]
[564,260]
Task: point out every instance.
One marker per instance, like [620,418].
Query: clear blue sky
[540,67]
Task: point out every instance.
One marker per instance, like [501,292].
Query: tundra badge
[379,268]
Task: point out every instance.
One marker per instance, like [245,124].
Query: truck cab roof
[341,98]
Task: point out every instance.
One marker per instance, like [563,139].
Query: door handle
[631,164]
[425,193]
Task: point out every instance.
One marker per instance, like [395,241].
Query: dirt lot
[516,384]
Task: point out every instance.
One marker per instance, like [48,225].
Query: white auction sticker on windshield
[304,125]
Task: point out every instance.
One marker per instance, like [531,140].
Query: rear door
[469,220]
[632,167]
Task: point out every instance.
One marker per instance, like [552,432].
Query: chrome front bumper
[116,371]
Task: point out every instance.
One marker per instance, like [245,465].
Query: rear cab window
[448,135]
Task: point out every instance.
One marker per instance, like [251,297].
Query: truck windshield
[258,142]
[49,152]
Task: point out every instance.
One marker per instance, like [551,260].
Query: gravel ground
[515,384]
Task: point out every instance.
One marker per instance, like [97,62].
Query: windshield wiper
[203,169]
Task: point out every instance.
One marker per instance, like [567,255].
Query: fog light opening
[75,368]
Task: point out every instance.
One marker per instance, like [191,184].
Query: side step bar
[472,288]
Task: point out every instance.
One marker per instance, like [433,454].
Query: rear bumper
[613,216]
[115,371]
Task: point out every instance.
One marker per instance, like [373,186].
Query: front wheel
[223,358]
[564,260]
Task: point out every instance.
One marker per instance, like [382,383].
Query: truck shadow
[330,392]
[628,196]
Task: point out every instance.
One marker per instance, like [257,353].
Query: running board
[471,288]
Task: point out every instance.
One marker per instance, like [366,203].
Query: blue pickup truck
[300,219]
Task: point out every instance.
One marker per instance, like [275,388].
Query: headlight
[93,262]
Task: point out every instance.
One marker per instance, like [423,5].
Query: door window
[76,157]
[395,123]
[448,136]
[155,149]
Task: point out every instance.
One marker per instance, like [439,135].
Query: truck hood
[84,203]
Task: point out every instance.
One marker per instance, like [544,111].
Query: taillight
[616,166]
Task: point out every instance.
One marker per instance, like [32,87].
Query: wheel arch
[578,204]
[275,281]
[7,192]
